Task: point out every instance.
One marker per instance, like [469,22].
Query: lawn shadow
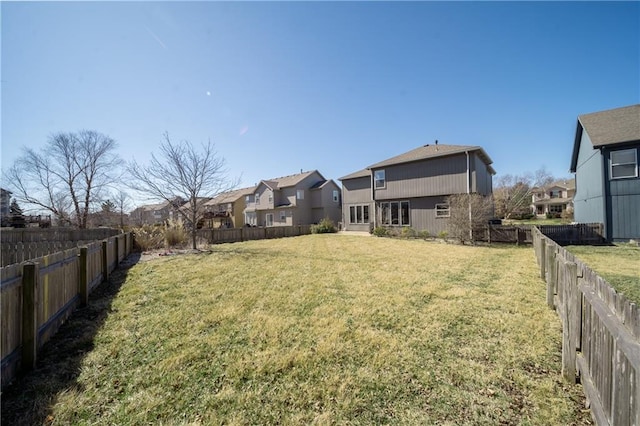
[29,399]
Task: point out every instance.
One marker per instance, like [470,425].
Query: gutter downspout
[469,195]
[373,199]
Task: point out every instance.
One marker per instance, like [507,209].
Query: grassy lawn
[618,264]
[319,329]
[554,221]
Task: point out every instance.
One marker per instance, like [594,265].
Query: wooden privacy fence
[579,233]
[38,296]
[234,235]
[18,252]
[28,235]
[600,334]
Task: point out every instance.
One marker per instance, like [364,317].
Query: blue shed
[605,162]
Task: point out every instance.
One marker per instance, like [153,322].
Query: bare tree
[512,193]
[64,177]
[183,171]
[468,215]
[122,200]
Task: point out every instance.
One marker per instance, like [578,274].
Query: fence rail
[28,235]
[600,333]
[234,235]
[36,297]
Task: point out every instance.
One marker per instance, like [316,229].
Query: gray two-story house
[605,162]
[301,199]
[411,189]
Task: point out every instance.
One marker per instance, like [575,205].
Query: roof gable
[607,128]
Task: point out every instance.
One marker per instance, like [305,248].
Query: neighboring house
[605,156]
[227,209]
[411,189]
[5,206]
[301,199]
[156,214]
[554,199]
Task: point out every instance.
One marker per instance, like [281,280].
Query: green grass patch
[321,329]
[618,264]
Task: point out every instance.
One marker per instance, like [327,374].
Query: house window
[379,178]
[257,198]
[624,164]
[555,208]
[247,199]
[270,197]
[300,194]
[395,213]
[359,214]
[442,210]
[336,196]
[269,219]
[250,218]
[283,216]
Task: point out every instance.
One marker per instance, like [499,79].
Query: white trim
[635,163]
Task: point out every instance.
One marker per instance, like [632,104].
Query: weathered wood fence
[579,233]
[18,252]
[27,235]
[36,297]
[600,334]
[234,235]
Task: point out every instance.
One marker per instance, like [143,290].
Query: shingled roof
[291,180]
[607,128]
[613,126]
[423,153]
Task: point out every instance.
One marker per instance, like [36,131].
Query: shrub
[443,235]
[380,231]
[424,234]
[174,234]
[408,232]
[148,237]
[326,226]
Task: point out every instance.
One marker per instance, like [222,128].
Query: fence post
[552,277]
[542,244]
[568,323]
[83,275]
[105,260]
[116,248]
[30,274]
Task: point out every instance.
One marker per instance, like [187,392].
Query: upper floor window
[271,197]
[624,163]
[257,198]
[379,178]
[247,199]
[336,196]
[300,194]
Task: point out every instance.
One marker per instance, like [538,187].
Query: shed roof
[612,126]
[607,128]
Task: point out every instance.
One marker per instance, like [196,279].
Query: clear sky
[284,86]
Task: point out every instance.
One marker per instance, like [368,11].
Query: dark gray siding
[439,176]
[356,190]
[423,214]
[482,180]
[589,200]
[623,207]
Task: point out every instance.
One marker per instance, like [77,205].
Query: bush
[326,226]
[443,235]
[148,237]
[174,234]
[424,234]
[380,231]
[408,232]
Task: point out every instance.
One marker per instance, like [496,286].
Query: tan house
[227,209]
[554,199]
[301,199]
[155,214]
[411,189]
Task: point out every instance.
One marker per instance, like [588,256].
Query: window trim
[283,216]
[359,211]
[376,179]
[266,219]
[442,207]
[389,209]
[299,194]
[336,196]
[612,164]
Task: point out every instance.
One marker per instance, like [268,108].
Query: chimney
[436,141]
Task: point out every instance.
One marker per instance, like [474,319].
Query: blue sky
[284,86]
